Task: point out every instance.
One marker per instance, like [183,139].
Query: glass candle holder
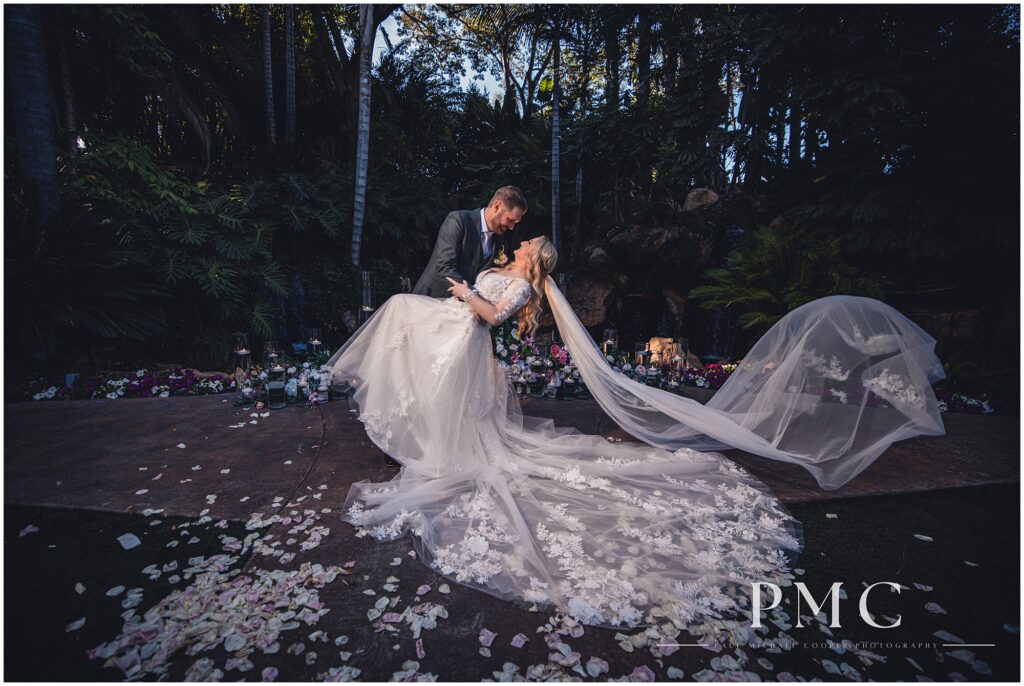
[610,343]
[271,353]
[313,341]
[276,397]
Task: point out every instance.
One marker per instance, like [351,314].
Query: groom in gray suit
[468,240]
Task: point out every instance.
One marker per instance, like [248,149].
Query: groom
[468,240]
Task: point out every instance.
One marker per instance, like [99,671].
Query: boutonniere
[501,259]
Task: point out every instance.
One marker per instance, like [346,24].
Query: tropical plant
[779,269]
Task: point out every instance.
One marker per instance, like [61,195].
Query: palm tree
[289,76]
[32,111]
[556,135]
[367,30]
[268,80]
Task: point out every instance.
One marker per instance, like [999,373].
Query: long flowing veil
[829,387]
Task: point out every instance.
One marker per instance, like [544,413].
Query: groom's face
[504,218]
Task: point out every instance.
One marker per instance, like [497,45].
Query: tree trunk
[268,81]
[611,51]
[643,58]
[780,133]
[32,110]
[69,121]
[327,46]
[794,131]
[811,154]
[577,238]
[289,76]
[671,47]
[556,140]
[367,31]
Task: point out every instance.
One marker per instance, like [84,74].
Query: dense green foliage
[855,149]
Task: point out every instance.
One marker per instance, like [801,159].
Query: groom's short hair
[510,196]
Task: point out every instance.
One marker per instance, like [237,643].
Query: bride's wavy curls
[539,264]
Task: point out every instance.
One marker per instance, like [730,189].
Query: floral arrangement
[536,366]
[142,383]
[529,362]
[541,366]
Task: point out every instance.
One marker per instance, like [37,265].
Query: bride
[618,534]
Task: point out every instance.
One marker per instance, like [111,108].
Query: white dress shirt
[485,234]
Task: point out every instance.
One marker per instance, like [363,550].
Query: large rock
[699,197]
[588,299]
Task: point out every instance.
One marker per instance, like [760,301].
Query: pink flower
[555,350]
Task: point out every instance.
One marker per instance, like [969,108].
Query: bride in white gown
[617,534]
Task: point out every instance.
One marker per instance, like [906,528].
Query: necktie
[487,243]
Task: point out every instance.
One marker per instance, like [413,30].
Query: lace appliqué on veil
[832,369]
[895,389]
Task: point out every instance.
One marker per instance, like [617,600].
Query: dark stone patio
[74,469]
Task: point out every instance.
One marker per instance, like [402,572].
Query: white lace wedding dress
[615,534]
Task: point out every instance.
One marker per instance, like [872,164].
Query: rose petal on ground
[972,564]
[519,640]
[268,674]
[30,529]
[181,445]
[596,667]
[129,541]
[486,637]
[935,607]
[923,537]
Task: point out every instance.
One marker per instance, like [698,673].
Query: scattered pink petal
[129,541]
[268,673]
[423,590]
[487,637]
[642,673]
[519,640]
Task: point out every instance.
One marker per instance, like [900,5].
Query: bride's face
[525,249]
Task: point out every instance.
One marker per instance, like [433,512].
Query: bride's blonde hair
[539,264]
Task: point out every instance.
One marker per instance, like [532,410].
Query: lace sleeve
[515,295]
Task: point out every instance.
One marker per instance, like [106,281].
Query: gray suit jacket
[458,253]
